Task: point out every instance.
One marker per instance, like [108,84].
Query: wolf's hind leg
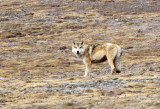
[111,54]
[111,63]
[118,64]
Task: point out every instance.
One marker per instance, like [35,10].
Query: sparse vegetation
[38,70]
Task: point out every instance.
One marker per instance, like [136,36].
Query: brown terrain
[39,71]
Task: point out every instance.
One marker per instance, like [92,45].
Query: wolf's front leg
[87,62]
[87,70]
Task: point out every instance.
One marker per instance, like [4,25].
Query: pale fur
[98,53]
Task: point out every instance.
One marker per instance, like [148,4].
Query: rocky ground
[39,71]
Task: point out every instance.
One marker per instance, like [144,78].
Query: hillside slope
[39,71]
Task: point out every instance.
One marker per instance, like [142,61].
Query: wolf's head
[78,48]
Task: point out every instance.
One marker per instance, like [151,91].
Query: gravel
[78,87]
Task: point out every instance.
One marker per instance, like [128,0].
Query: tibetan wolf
[98,53]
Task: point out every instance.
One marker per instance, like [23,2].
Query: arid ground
[39,71]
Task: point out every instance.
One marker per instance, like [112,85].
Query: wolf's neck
[86,53]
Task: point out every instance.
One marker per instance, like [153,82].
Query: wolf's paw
[118,71]
[85,75]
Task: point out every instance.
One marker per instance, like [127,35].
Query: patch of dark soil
[112,93]
[11,34]
[63,48]
[46,106]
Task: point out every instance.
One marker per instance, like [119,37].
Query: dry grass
[38,70]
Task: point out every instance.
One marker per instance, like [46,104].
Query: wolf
[98,53]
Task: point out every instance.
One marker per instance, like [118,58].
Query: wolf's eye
[80,47]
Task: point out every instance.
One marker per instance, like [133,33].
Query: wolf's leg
[87,63]
[118,63]
[111,54]
[87,70]
[111,63]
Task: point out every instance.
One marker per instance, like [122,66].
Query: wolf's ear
[82,42]
[73,43]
